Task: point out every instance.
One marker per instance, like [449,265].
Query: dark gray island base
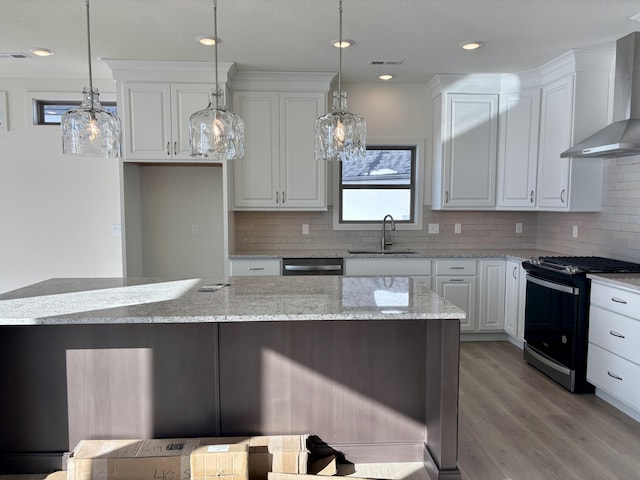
[368,364]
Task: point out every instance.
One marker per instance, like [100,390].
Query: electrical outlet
[574,233]
[457,228]
[434,228]
[518,227]
[195,229]
[116,229]
[305,229]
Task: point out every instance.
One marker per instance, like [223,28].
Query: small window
[49,112]
[383,183]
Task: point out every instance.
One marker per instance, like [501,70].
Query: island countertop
[62,301]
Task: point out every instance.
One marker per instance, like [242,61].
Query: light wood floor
[516,424]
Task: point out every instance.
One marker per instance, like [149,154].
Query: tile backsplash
[613,232]
[273,231]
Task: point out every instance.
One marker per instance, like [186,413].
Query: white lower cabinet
[255,267]
[492,293]
[515,293]
[457,282]
[613,356]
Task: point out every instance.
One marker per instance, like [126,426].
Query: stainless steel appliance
[312,266]
[557,315]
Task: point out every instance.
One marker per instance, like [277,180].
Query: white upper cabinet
[279,170]
[155,101]
[575,99]
[156,123]
[518,149]
[465,150]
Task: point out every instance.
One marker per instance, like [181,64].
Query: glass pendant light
[89,129]
[340,135]
[215,132]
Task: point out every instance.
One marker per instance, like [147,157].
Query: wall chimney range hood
[621,138]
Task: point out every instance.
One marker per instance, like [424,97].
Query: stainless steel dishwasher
[312,266]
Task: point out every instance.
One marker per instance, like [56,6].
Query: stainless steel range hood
[621,138]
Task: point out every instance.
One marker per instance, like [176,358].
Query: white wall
[56,211]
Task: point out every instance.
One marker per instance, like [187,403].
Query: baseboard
[381,452]
[516,341]
[25,463]
[483,336]
[613,401]
[434,472]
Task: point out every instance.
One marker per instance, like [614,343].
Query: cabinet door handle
[562,195]
[168,147]
[456,279]
[618,300]
[277,197]
[284,197]
[616,334]
[175,148]
[255,268]
[446,196]
[456,268]
[613,375]
[515,269]
[531,197]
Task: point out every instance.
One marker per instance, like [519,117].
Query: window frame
[421,186]
[39,107]
[411,186]
[32,97]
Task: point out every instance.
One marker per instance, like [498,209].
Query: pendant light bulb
[340,135]
[90,129]
[215,132]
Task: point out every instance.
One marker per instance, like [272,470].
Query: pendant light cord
[340,56]
[89,55]
[215,48]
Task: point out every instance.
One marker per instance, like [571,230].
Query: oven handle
[553,285]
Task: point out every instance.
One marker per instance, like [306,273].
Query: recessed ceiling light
[42,52]
[386,76]
[472,45]
[346,43]
[207,40]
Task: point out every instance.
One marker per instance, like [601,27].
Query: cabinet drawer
[615,375]
[387,266]
[259,267]
[614,332]
[455,267]
[616,299]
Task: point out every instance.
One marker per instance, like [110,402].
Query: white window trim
[31,97]
[420,144]
[4,121]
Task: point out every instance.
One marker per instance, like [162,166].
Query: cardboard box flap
[280,443]
[106,448]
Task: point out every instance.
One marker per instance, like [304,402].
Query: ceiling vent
[13,55]
[385,62]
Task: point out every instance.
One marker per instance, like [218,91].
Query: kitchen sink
[382,252]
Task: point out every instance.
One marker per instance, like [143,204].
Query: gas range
[581,265]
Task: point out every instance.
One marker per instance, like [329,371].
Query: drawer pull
[613,375]
[618,300]
[457,280]
[255,268]
[616,334]
[456,268]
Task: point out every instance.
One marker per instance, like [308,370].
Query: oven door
[551,319]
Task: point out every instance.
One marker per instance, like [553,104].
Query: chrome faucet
[384,241]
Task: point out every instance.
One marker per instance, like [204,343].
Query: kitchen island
[368,364]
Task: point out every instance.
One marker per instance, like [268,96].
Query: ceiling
[294,35]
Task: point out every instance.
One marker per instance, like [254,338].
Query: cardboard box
[56,476]
[159,459]
[220,462]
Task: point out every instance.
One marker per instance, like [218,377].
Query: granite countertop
[239,299]
[624,280]
[516,254]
